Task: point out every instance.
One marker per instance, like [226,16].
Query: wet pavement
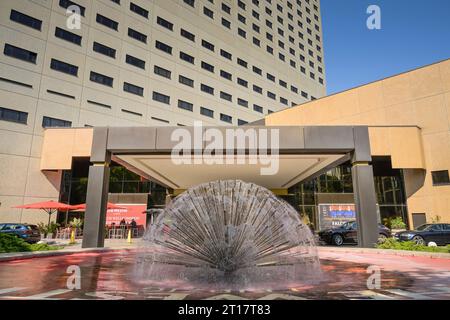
[109,275]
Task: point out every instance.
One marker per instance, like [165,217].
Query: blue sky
[413,33]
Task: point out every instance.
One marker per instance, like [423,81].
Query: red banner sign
[131,211]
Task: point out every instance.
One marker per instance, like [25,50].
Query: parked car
[28,232]
[431,232]
[347,233]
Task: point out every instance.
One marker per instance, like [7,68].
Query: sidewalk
[406,253]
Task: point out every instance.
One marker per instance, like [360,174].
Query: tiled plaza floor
[108,275]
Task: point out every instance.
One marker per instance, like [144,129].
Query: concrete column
[97,191]
[96,205]
[365,203]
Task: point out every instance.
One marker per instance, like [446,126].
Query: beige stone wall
[21,181]
[417,98]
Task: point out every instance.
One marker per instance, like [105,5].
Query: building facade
[409,125]
[143,63]
[405,118]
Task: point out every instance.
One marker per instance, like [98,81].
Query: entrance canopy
[292,168]
[301,152]
[273,157]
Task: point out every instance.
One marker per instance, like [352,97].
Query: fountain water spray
[228,234]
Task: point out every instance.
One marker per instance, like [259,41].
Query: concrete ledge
[405,253]
[42,254]
[321,249]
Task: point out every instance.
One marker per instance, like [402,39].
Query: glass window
[257,89]
[135,61]
[190,2]
[187,35]
[440,177]
[20,53]
[163,47]
[164,23]
[107,51]
[242,63]
[101,79]
[53,122]
[185,105]
[207,67]
[226,8]
[64,67]
[131,88]
[207,112]
[207,89]
[225,54]
[68,36]
[226,118]
[186,57]
[139,10]
[26,20]
[13,115]
[226,23]
[242,82]
[225,75]
[242,102]
[186,81]
[67,3]
[257,70]
[207,45]
[161,97]
[258,108]
[208,12]
[107,22]
[162,72]
[226,96]
[137,35]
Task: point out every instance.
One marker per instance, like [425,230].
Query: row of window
[70,69]
[67,68]
[225,8]
[269,36]
[111,52]
[131,88]
[206,66]
[270,49]
[74,38]
[100,48]
[21,117]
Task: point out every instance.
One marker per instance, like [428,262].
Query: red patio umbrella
[48,206]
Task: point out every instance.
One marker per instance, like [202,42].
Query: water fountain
[228,234]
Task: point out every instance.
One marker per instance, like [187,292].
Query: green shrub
[410,246]
[397,223]
[10,243]
[43,247]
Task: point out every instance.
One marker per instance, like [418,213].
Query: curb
[4,257]
[42,254]
[404,253]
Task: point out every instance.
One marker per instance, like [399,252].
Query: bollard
[72,237]
[129,236]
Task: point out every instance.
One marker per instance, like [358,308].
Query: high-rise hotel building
[144,62]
